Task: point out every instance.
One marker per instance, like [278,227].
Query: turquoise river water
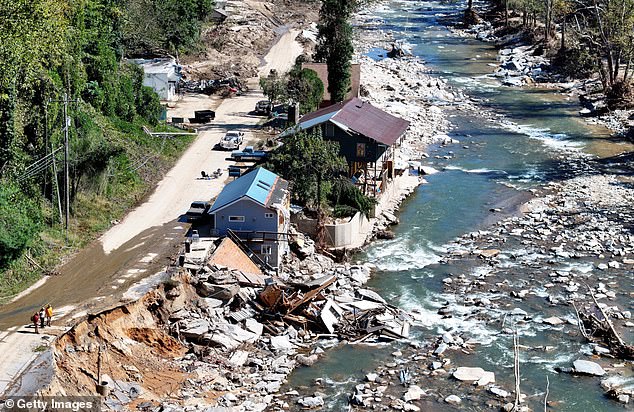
[521,149]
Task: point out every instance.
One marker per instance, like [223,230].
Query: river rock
[478,375]
[498,392]
[306,360]
[311,401]
[371,377]
[441,349]
[488,253]
[588,368]
[413,393]
[553,320]
[281,343]
[453,400]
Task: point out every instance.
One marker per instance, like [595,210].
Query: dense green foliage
[311,163]
[334,45]
[347,199]
[19,222]
[305,87]
[49,48]
[274,86]
[172,25]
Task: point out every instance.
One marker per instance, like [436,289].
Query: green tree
[334,45]
[305,87]
[347,199]
[274,86]
[311,164]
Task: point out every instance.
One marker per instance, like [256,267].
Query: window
[267,250]
[269,215]
[236,218]
[361,150]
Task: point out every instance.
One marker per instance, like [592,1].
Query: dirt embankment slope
[237,46]
[137,350]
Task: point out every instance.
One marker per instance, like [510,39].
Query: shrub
[346,196]
[575,63]
[20,219]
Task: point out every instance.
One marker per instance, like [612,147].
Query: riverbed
[514,143]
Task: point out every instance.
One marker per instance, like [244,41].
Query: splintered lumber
[310,295]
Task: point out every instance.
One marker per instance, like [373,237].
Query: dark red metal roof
[364,119]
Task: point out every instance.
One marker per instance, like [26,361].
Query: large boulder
[585,367]
[477,375]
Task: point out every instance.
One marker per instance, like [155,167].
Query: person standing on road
[49,314]
[42,317]
[36,321]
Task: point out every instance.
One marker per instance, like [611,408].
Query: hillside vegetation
[52,47]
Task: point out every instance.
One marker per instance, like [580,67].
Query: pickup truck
[232,140]
[197,211]
[248,154]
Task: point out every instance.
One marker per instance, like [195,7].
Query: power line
[38,166]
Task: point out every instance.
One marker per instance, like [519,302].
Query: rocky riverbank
[523,61]
[540,276]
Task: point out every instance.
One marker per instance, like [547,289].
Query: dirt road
[138,246]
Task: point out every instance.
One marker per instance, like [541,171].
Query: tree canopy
[306,88]
[334,45]
[311,163]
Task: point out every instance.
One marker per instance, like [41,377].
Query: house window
[266,250]
[361,150]
[269,215]
[236,218]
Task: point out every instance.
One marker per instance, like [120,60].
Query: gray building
[162,75]
[255,209]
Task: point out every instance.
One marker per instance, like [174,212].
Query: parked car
[263,107]
[248,154]
[232,140]
[197,211]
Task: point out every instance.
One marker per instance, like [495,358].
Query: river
[527,144]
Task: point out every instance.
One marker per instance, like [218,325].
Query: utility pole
[65,100]
[66,180]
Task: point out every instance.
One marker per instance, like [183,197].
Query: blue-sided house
[255,208]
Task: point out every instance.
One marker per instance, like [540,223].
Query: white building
[162,75]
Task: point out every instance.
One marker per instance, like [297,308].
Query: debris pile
[237,307]
[247,331]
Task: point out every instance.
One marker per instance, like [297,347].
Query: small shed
[254,211]
[366,135]
[162,75]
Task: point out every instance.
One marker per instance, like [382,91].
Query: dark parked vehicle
[203,116]
[248,154]
[263,107]
[197,211]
